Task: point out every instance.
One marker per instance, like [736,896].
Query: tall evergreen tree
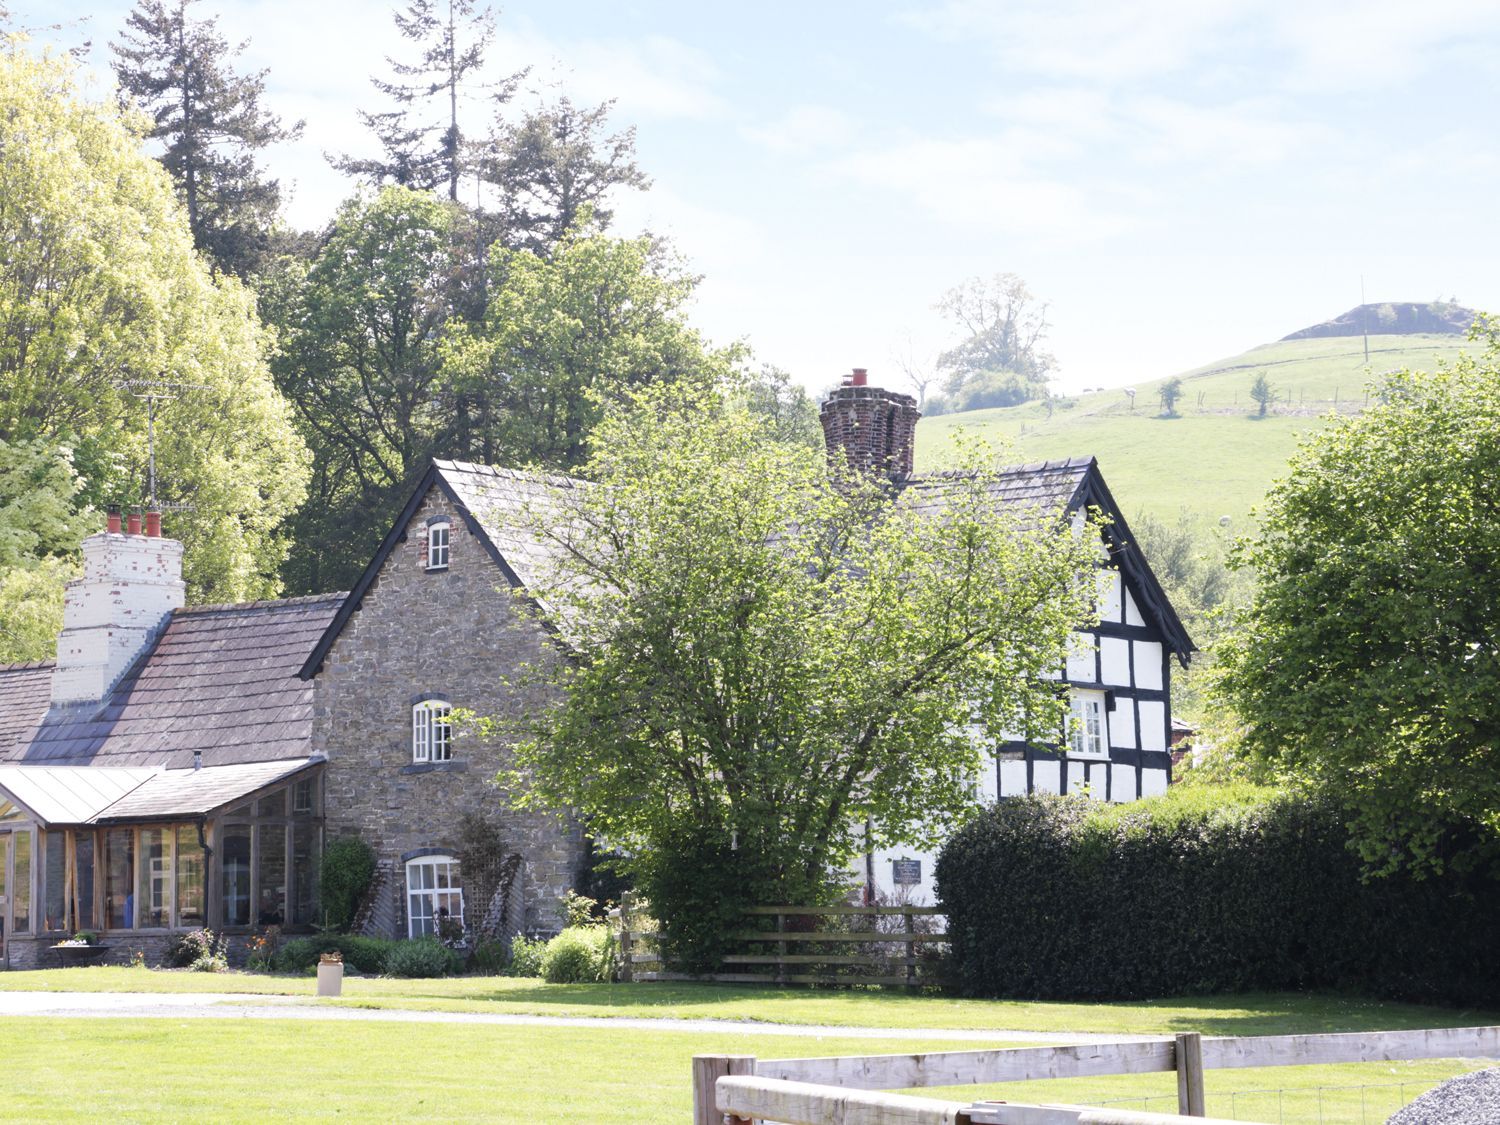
[211,123]
[551,166]
[452,37]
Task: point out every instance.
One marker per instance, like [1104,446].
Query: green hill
[1216,459]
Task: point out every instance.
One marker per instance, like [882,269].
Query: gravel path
[224,1005]
[1469,1099]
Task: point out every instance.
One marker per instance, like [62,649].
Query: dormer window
[437,545]
[431,731]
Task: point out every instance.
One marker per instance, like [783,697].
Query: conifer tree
[211,123]
[452,37]
[551,166]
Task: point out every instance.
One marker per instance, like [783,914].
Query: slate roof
[219,679]
[25,693]
[494,502]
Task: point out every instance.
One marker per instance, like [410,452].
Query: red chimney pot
[153,524]
[860,377]
[112,521]
[133,523]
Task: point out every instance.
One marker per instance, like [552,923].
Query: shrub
[365,954]
[186,949]
[422,957]
[489,958]
[348,866]
[577,955]
[1203,890]
[526,956]
[211,963]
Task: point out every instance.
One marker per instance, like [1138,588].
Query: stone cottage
[181,767]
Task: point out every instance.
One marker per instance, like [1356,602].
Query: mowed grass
[263,1070]
[1217,458]
[258,1070]
[1248,1014]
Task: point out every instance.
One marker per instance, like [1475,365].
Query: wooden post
[781,950]
[1189,1059]
[707,1070]
[911,946]
[626,967]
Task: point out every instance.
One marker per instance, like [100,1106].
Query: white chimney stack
[131,583]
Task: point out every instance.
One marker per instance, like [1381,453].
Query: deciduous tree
[769,659]
[211,124]
[1369,660]
[101,285]
[1169,393]
[1004,327]
[1263,393]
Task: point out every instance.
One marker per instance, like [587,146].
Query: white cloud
[803,129]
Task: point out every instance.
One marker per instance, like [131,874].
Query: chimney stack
[131,584]
[112,520]
[870,429]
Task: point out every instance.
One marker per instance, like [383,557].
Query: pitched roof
[496,503]
[25,694]
[68,794]
[218,679]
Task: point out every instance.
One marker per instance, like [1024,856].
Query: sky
[1177,179]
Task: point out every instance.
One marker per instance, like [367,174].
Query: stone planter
[330,976]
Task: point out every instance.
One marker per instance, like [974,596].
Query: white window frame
[439,543]
[432,731]
[1088,725]
[434,883]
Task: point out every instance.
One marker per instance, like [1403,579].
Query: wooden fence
[882,945]
[741,1088]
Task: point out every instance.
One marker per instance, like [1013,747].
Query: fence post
[910,958]
[780,949]
[1189,1059]
[627,969]
[707,1070]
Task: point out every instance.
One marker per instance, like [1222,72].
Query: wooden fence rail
[848,1090]
[862,956]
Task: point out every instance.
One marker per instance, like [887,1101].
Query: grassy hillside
[1215,459]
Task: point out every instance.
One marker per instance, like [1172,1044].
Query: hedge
[1202,890]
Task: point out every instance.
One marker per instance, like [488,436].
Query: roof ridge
[476,469]
[263,603]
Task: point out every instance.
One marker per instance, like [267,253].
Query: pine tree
[211,123]
[552,166]
[453,36]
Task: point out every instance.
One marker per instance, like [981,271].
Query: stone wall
[453,633]
[26,952]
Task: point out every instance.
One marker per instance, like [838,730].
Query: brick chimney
[131,584]
[874,430]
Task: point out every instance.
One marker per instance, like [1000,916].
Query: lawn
[1248,1014]
[254,1070]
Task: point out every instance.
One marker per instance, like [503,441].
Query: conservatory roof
[53,795]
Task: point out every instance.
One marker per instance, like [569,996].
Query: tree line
[468,300]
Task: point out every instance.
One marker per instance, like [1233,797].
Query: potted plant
[330,973]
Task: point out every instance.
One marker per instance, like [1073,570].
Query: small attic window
[437,545]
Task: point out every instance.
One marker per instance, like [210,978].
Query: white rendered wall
[1114,661]
[1081,657]
[130,584]
[1122,724]
[1148,664]
[1153,724]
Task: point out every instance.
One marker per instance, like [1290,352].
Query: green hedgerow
[526,956]
[422,957]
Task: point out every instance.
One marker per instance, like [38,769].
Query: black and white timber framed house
[1118,674]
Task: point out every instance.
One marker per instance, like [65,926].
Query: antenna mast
[154,390]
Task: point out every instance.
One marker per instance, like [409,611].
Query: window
[437,545]
[431,731]
[433,894]
[1086,725]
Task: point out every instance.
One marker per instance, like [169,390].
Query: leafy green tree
[359,359]
[211,123]
[554,167]
[100,284]
[769,659]
[785,406]
[1368,662]
[1262,392]
[1169,393]
[452,37]
[40,526]
[565,335]
[1004,327]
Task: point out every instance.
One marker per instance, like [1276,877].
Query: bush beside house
[1201,891]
